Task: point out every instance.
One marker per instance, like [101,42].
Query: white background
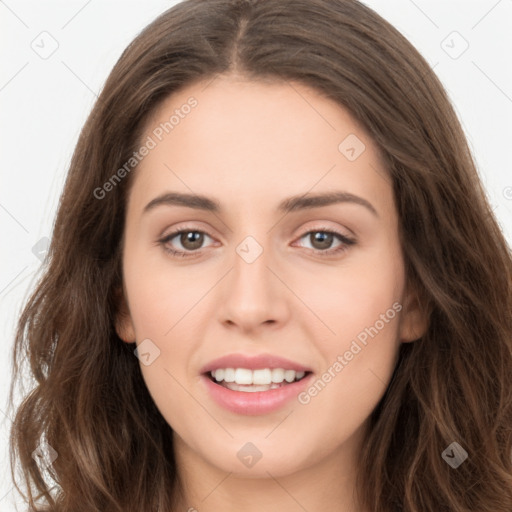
[44,103]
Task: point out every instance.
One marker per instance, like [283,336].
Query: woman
[253,365]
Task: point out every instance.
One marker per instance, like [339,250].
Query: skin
[250,145]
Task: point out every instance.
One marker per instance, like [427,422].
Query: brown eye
[321,240]
[184,242]
[191,240]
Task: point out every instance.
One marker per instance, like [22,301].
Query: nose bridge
[250,273]
[252,293]
[250,250]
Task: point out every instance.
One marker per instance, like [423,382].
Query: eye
[322,239]
[190,239]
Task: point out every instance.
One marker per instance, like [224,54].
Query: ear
[414,321]
[123,322]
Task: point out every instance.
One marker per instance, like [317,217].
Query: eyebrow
[291,204]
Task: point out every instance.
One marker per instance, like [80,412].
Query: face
[289,260]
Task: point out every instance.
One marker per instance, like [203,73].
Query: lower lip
[257,402]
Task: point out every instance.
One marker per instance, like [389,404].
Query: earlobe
[415,319]
[124,329]
[123,322]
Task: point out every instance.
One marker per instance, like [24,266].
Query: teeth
[277,375]
[229,375]
[289,375]
[243,376]
[260,377]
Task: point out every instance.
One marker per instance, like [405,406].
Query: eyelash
[346,242]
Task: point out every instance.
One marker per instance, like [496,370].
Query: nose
[253,295]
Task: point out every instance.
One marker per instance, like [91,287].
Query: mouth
[257,380]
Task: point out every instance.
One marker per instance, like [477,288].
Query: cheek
[359,363]
[354,295]
[161,294]
[361,304]
[165,308]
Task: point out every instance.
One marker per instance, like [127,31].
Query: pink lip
[259,402]
[253,363]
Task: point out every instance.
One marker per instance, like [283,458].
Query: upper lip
[253,363]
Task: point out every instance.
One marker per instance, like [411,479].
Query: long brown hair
[454,385]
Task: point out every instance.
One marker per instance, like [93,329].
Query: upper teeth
[263,376]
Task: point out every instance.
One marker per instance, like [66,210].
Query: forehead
[254,139]
[272,113]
